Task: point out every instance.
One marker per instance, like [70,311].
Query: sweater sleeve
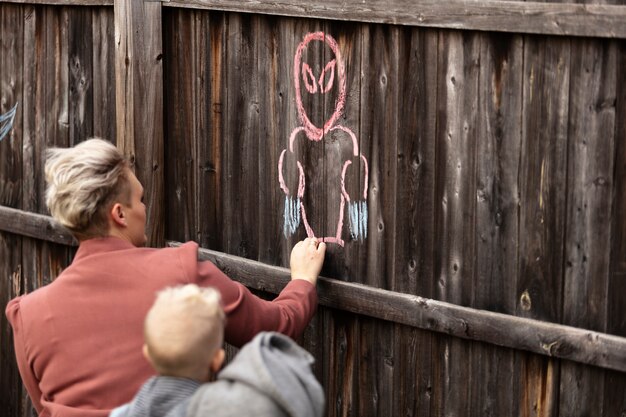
[31,383]
[247,314]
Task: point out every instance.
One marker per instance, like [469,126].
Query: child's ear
[218,360]
[146,354]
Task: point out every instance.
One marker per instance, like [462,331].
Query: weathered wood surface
[477,167]
[103,81]
[497,206]
[46,63]
[544,338]
[33,225]
[591,156]
[548,18]
[500,159]
[11,161]
[63,2]
[139,102]
[614,382]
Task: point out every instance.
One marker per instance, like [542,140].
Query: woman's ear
[117,215]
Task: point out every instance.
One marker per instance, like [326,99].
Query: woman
[78,340]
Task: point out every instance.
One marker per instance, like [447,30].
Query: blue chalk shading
[6,121]
[291,216]
[358,219]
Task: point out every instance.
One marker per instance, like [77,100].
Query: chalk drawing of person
[6,121]
[331,77]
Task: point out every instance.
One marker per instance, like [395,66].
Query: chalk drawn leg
[291,215]
[358,219]
[357,210]
[6,121]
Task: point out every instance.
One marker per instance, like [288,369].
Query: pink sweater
[78,340]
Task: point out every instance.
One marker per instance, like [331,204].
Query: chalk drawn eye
[309,79]
[330,67]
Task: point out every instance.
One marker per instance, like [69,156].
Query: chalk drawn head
[327,79]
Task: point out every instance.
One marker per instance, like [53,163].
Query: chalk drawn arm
[357,206]
[292,208]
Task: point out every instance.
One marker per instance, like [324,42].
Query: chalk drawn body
[295,210]
[6,121]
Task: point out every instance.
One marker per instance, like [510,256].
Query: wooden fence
[489,275]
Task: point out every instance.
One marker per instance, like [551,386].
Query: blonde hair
[184,329]
[83,183]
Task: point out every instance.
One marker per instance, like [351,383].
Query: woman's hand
[307,257]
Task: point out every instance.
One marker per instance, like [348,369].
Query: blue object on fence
[291,215]
[6,121]
[358,219]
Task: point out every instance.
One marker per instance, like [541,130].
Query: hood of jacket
[270,376]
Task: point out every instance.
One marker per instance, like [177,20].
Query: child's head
[184,331]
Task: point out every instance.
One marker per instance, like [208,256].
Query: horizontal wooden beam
[63,2]
[34,225]
[565,342]
[590,20]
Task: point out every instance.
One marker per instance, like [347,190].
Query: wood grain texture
[103,83]
[139,102]
[591,153]
[63,2]
[614,382]
[507,16]
[11,161]
[434,329]
[497,217]
[540,337]
[181,72]
[456,138]
[81,75]
[379,69]
[415,213]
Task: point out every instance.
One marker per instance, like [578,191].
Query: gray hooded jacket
[160,396]
[270,377]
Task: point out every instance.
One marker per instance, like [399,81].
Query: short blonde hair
[184,329]
[83,183]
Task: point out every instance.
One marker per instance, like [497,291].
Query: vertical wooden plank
[498,150]
[543,176]
[591,152]
[11,91]
[615,382]
[180,77]
[270,139]
[46,123]
[542,205]
[81,104]
[139,102]
[379,140]
[204,206]
[240,151]
[457,103]
[211,128]
[341,110]
[11,82]
[459,58]
[415,207]
[616,319]
[319,338]
[103,47]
